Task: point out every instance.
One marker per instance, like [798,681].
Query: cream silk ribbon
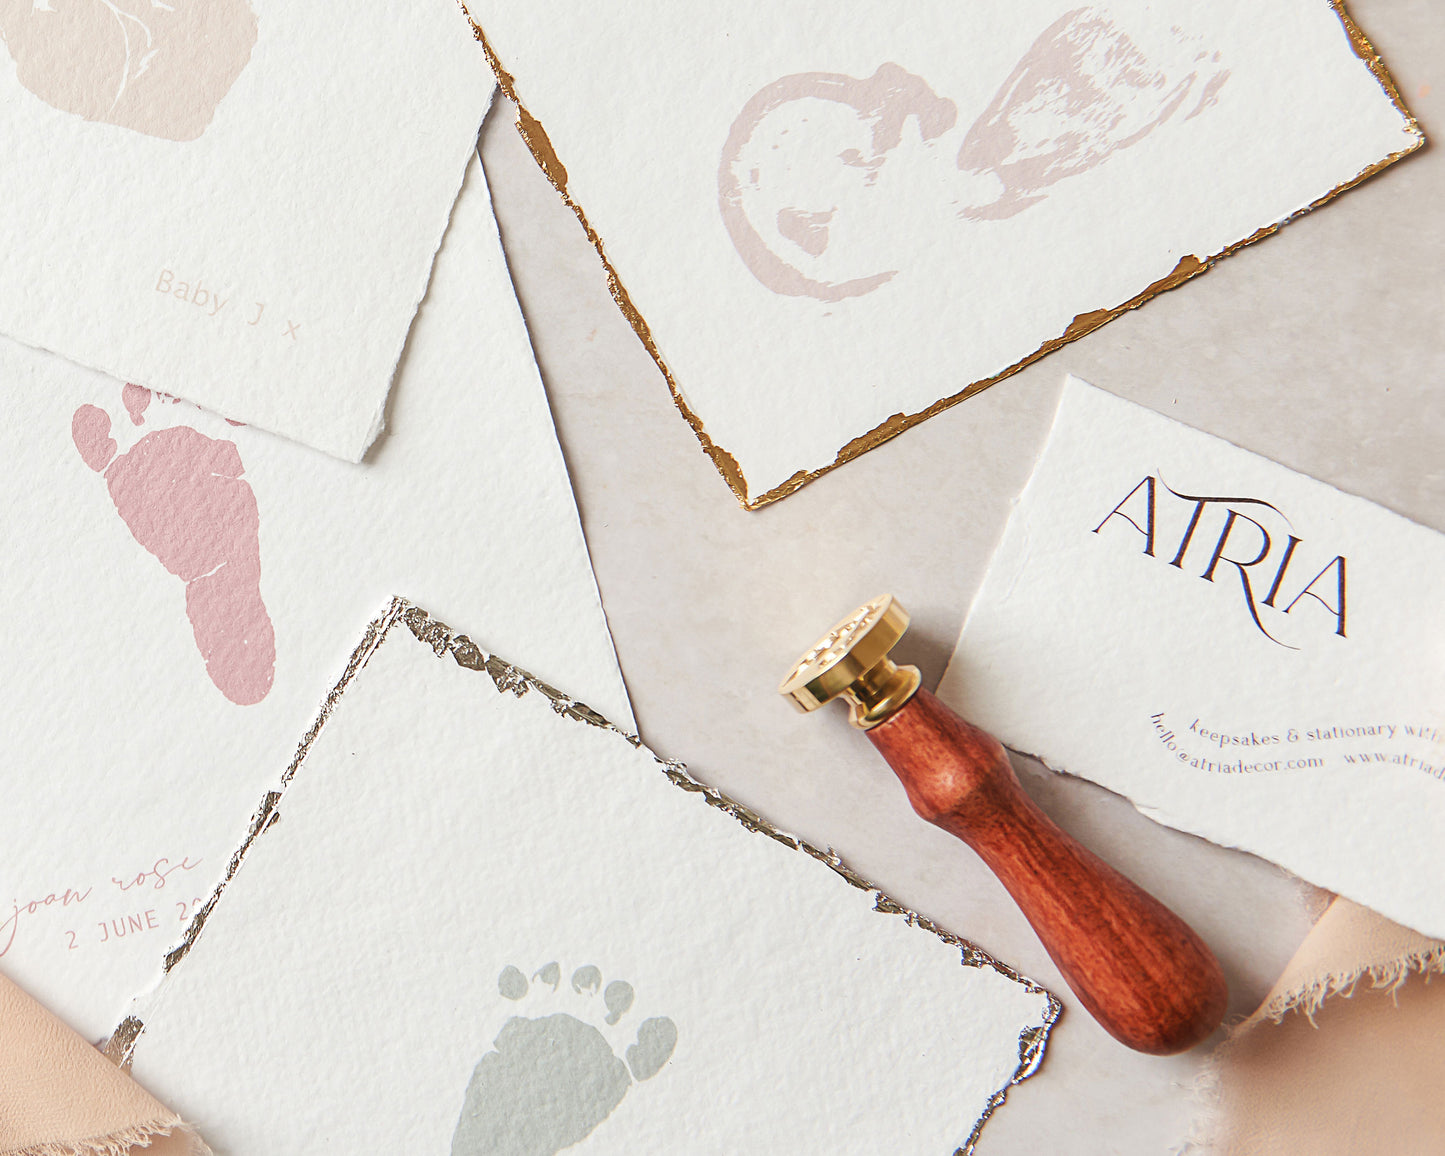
[1345,1056]
[59,1096]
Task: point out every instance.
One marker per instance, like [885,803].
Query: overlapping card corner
[1188,266]
[304,272]
[404,619]
[508,678]
[203,582]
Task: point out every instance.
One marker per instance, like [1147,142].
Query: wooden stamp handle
[1136,966]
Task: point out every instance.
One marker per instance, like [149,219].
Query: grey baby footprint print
[550,1079]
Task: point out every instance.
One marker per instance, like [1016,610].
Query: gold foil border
[546,157]
[509,679]
[1189,266]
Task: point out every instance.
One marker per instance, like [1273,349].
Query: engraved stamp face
[834,645]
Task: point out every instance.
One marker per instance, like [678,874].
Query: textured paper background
[1287,724]
[124,752]
[442,830]
[887,209]
[284,162]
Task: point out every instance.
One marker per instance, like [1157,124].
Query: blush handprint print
[158,68]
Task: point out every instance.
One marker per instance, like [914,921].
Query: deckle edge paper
[1188,267]
[506,678]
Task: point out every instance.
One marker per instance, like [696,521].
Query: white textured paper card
[233,201]
[181,592]
[484,926]
[889,207]
[1246,653]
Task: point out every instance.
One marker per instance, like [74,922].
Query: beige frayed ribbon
[61,1097]
[1345,1055]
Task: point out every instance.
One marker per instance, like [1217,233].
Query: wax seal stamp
[1136,966]
[852,660]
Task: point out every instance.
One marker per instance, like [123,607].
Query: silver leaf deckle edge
[512,679]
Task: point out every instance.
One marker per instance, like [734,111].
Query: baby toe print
[90,431]
[618,998]
[181,495]
[512,983]
[656,1038]
[586,978]
[136,399]
[553,1077]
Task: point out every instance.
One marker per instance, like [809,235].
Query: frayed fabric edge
[1383,976]
[118,1143]
[1306,996]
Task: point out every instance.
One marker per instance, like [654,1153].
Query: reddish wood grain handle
[1138,968]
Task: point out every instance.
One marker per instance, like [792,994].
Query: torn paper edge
[417,295]
[354,445]
[1189,266]
[506,678]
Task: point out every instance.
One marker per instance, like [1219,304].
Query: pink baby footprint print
[182,497]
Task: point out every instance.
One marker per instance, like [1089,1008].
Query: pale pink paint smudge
[157,68]
[1083,91]
[181,495]
[884,101]
[808,231]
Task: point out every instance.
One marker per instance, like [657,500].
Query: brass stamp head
[852,660]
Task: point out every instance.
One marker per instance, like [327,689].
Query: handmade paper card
[180,592]
[233,201]
[1246,653]
[890,209]
[556,940]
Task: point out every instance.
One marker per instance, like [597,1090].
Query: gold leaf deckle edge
[506,678]
[542,152]
[1189,266]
